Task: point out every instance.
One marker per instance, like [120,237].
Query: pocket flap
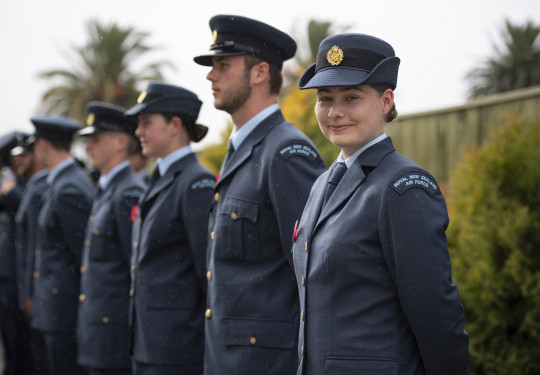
[264,333]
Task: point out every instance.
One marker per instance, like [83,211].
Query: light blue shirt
[238,136]
[173,157]
[58,169]
[351,159]
[104,180]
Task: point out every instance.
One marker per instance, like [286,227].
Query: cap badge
[214,36]
[335,55]
[90,119]
[141,97]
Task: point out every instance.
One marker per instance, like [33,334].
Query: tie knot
[337,173]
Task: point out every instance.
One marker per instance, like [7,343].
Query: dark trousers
[93,371]
[15,334]
[39,352]
[147,369]
[62,353]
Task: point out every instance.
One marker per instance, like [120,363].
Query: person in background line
[252,305]
[370,252]
[25,229]
[59,241]
[102,324]
[13,325]
[168,286]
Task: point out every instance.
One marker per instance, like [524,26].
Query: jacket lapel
[253,139]
[354,177]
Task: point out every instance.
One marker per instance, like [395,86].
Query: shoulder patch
[415,179]
[70,190]
[132,193]
[299,149]
[203,184]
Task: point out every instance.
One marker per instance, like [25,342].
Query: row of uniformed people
[238,310]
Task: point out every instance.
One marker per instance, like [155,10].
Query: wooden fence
[436,140]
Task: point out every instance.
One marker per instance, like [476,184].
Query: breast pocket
[238,222]
[335,365]
[102,239]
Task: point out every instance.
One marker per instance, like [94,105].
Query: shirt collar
[351,159]
[238,136]
[58,169]
[173,157]
[105,180]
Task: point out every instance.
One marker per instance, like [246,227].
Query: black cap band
[352,57]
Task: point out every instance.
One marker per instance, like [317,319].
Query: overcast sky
[438,42]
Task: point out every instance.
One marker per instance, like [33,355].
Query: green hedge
[494,241]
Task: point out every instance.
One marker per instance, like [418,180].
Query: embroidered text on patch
[298,150]
[415,179]
[201,184]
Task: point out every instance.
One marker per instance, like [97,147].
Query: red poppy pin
[295,233]
[134,213]
[217,177]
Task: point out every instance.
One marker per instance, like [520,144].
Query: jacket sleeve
[413,221]
[294,169]
[73,211]
[125,213]
[196,202]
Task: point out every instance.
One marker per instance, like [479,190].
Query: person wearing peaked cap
[14,329]
[252,306]
[370,252]
[168,287]
[59,241]
[26,164]
[102,324]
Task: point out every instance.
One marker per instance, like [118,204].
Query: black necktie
[155,176]
[337,173]
[230,151]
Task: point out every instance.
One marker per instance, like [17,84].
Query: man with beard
[252,314]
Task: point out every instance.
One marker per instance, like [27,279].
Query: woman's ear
[388,100]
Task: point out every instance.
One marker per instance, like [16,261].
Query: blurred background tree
[103,70]
[515,65]
[494,241]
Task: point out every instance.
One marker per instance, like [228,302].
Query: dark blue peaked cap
[55,128]
[7,143]
[162,97]
[107,117]
[352,59]
[237,35]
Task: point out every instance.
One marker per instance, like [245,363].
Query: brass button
[105,319]
[36,253]
[86,243]
[216,197]
[140,220]
[252,340]
[54,291]
[208,314]
[302,315]
[234,216]
[96,232]
[92,218]
[133,268]
[212,236]
[305,246]
[209,275]
[302,351]
[135,245]
[131,292]
[82,298]
[303,280]
[83,270]
[41,223]
[35,274]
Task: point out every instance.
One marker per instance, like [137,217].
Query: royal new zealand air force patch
[415,179]
[298,149]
